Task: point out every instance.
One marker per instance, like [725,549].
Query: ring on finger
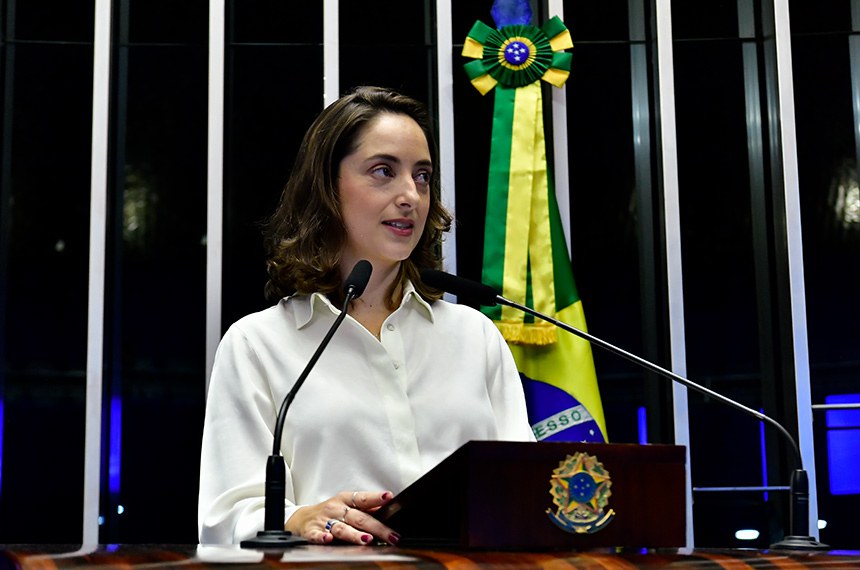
[346,509]
[330,524]
[354,493]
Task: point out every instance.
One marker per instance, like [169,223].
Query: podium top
[163,557]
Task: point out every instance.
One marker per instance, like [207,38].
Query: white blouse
[373,415]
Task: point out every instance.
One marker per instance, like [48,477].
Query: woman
[406,380]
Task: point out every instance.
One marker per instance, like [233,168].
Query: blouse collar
[308,306]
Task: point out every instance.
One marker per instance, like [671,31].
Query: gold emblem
[580,489]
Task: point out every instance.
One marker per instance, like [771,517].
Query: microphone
[799,539]
[273,534]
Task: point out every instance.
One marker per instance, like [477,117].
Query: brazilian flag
[525,255]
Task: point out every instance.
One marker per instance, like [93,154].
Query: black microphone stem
[654,368]
[288,399]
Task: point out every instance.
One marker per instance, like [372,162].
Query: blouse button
[390,327]
[396,365]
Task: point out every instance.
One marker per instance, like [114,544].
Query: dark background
[732,227]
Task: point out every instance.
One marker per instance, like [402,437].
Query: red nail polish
[393,538]
[366,538]
[386,495]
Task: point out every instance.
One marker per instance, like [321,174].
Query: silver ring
[330,524]
[345,510]
[354,493]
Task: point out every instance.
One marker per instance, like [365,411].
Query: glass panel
[43,289]
[463,16]
[382,23]
[605,234]
[716,229]
[810,16]
[51,20]
[155,310]
[375,52]
[406,68]
[613,239]
[273,94]
[719,279]
[826,90]
[590,21]
[698,20]
[167,21]
[473,116]
[276,21]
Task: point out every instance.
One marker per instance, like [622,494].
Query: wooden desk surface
[158,557]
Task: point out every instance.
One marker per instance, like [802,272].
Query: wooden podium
[497,495]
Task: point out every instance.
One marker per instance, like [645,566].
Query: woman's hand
[344,517]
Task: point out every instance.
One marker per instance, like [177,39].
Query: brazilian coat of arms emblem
[580,490]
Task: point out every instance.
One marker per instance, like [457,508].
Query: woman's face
[384,188]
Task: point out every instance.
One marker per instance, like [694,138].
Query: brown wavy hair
[305,236]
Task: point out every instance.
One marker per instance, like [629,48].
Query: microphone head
[470,290]
[356,281]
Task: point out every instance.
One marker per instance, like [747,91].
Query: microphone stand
[799,539]
[274,535]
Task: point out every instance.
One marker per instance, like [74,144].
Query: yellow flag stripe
[519,199]
[540,240]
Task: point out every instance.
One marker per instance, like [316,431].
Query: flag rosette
[517,55]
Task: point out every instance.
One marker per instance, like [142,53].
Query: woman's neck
[372,308]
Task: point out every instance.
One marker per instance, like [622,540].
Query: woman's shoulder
[265,319]
[446,311]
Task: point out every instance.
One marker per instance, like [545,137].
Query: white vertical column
[445,96]
[561,173]
[788,135]
[215,182]
[331,52]
[672,230]
[96,287]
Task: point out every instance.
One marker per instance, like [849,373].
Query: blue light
[763,456]
[843,418]
[643,425]
[2,422]
[843,441]
[115,443]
